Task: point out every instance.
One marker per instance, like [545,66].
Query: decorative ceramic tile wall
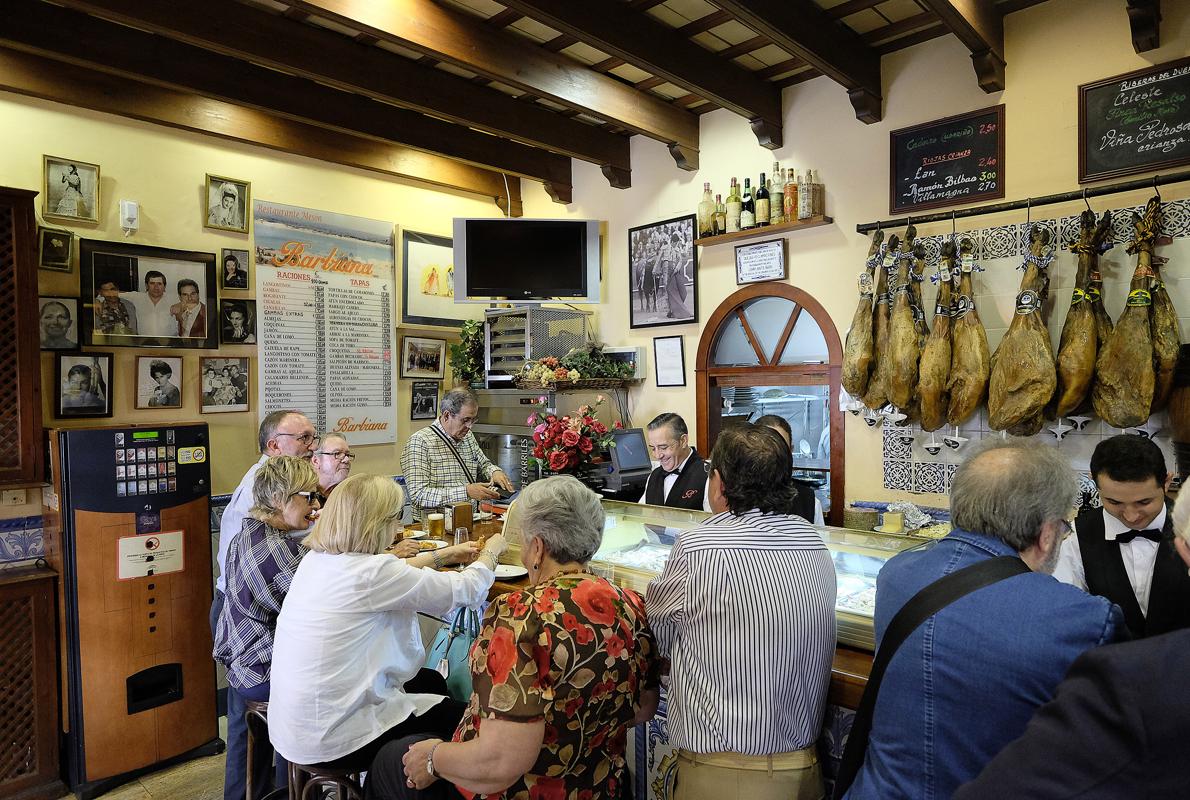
[20,539]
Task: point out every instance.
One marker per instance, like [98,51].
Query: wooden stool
[257,717]
[307,783]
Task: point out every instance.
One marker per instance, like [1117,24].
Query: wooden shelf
[767,230]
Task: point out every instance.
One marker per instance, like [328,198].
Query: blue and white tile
[898,475]
[951,469]
[894,447]
[929,478]
[1176,220]
[21,539]
[999,242]
[1069,231]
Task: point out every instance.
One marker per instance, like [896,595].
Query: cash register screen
[631,452]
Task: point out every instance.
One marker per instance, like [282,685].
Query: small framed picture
[237,321]
[228,201]
[669,357]
[71,189]
[233,269]
[225,385]
[83,385]
[761,261]
[424,404]
[158,379]
[54,249]
[59,322]
[422,357]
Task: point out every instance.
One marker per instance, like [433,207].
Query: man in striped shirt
[745,612]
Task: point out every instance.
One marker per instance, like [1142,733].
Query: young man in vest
[680,478]
[1125,551]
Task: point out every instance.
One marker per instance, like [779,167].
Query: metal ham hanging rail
[1049,199]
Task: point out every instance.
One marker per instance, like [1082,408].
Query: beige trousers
[731,776]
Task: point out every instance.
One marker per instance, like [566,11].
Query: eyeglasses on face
[306,439]
[310,497]
[1067,528]
[338,455]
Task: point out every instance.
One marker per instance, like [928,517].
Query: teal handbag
[449,654]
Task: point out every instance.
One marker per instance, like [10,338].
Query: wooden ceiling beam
[804,29]
[900,28]
[44,78]
[1144,18]
[979,25]
[81,39]
[249,34]
[455,38]
[852,7]
[654,47]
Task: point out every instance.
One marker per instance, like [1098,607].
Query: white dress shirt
[232,521]
[672,478]
[347,641]
[152,319]
[1138,556]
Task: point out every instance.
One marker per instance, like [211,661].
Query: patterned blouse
[574,651]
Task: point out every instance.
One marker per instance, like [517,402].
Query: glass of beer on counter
[436,525]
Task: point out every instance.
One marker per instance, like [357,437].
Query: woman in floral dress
[561,670]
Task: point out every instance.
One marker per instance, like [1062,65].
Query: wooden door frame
[708,377]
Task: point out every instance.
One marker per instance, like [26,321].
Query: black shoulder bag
[923,605]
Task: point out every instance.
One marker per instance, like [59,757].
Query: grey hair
[565,515]
[1181,515]
[674,421]
[328,437]
[269,425]
[1009,489]
[277,480]
[455,399]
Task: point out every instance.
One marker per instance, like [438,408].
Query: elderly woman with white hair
[347,674]
[560,671]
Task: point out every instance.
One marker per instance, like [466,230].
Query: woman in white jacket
[348,643]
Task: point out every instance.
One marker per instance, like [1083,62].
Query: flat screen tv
[526,260]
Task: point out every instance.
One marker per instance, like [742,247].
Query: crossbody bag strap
[455,450]
[923,605]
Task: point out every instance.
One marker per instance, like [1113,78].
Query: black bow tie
[671,472]
[1152,535]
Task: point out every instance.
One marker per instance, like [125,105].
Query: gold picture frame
[70,189]
[217,213]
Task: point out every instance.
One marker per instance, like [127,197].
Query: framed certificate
[761,261]
[670,359]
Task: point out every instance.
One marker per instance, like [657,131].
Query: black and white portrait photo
[84,384]
[227,204]
[663,273]
[224,384]
[424,404]
[54,249]
[158,382]
[71,189]
[237,322]
[234,269]
[58,318]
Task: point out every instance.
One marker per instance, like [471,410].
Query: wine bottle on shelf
[777,196]
[818,191]
[791,195]
[734,205]
[720,220]
[805,202]
[747,207]
[706,211]
[762,203]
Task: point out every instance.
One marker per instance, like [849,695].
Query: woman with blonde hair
[349,653]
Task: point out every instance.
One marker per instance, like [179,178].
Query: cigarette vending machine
[127,526]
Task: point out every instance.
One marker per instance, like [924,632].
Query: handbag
[923,605]
[449,654]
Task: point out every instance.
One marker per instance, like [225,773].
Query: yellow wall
[1051,49]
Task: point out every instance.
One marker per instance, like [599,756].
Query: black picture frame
[54,249]
[423,401]
[414,304]
[71,405]
[657,360]
[242,280]
[966,148]
[126,265]
[50,338]
[647,252]
[227,332]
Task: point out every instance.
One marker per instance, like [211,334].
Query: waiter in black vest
[680,479]
[1125,550]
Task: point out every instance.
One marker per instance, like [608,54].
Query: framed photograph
[82,385]
[70,189]
[663,273]
[133,295]
[761,261]
[233,269]
[54,248]
[58,317]
[237,321]
[158,382]
[228,201]
[225,385]
[422,357]
[424,404]
[669,356]
[428,278]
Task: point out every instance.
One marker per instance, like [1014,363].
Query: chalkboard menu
[1134,123]
[948,161]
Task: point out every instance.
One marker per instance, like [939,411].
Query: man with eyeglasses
[282,433]
[443,463]
[332,461]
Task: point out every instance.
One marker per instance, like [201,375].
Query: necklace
[560,573]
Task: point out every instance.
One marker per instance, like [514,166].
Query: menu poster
[324,289]
[947,162]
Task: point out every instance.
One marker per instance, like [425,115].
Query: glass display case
[637,540]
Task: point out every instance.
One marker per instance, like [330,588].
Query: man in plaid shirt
[443,463]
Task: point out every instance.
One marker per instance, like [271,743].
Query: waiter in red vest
[681,475]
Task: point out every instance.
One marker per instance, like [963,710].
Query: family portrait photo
[83,384]
[158,382]
[225,383]
[70,190]
[234,274]
[237,321]
[58,317]
[54,248]
[424,404]
[227,204]
[663,273]
[423,357]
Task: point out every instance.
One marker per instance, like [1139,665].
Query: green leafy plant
[592,362]
[466,355]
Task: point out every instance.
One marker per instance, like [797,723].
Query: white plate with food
[410,533]
[431,544]
[507,571]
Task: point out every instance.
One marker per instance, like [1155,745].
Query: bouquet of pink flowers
[563,444]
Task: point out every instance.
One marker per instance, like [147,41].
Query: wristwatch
[430,762]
